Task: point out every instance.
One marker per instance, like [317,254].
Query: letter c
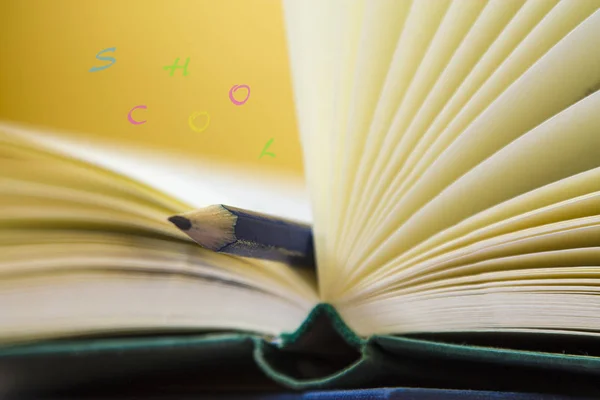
[131,119]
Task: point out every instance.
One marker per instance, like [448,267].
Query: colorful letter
[131,119]
[197,114]
[175,66]
[233,89]
[94,69]
[264,153]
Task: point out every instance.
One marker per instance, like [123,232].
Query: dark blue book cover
[399,394]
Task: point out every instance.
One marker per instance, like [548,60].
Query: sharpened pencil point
[181,222]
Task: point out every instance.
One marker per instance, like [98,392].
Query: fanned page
[88,250]
[452,149]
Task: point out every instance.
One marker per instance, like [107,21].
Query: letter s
[94,69]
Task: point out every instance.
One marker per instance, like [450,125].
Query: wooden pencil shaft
[266,237]
[259,251]
[267,230]
[245,233]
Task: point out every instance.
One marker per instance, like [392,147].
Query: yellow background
[47,48]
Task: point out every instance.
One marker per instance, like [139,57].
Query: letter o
[194,116]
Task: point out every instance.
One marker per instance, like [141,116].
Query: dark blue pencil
[231,230]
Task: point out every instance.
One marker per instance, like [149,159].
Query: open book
[452,154]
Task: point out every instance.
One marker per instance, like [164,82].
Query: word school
[173,67]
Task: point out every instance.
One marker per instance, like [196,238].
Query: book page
[469,174]
[192,182]
[69,212]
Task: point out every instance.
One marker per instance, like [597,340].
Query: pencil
[231,230]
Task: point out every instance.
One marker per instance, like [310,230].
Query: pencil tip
[181,222]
